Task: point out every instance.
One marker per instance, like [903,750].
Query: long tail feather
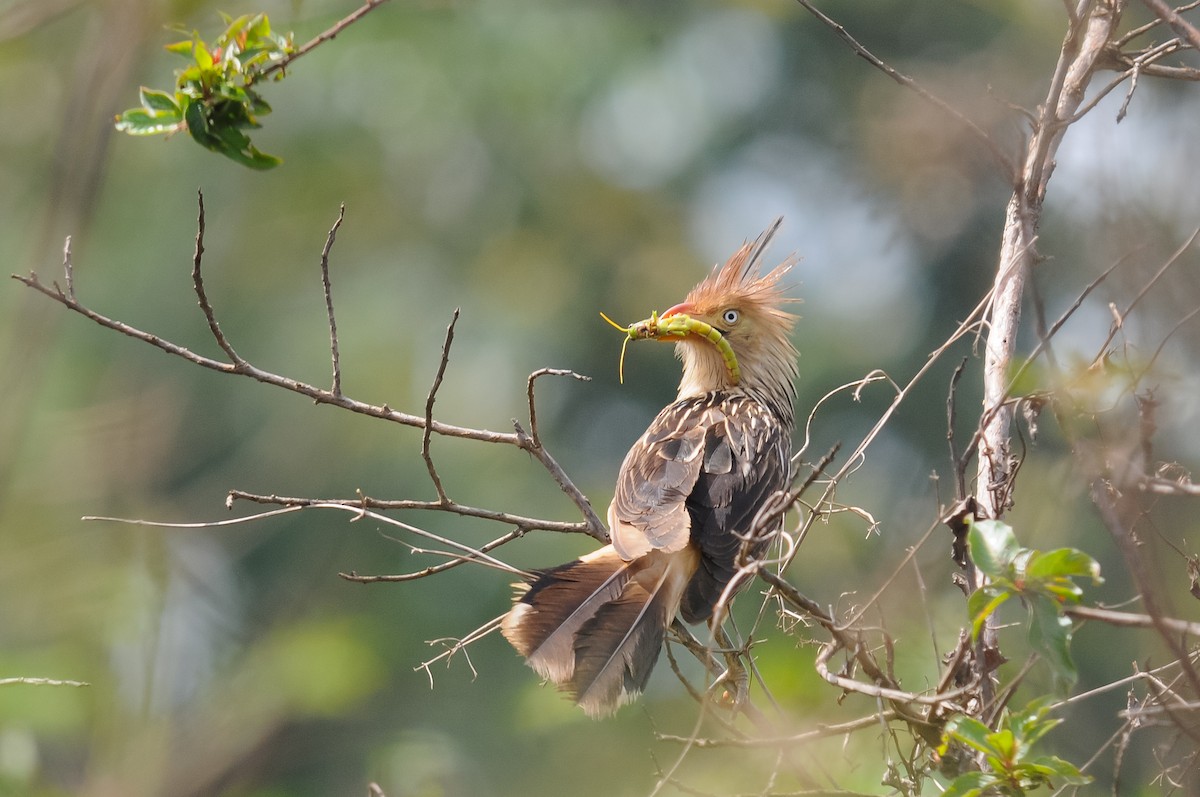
[545,619]
[617,648]
[595,626]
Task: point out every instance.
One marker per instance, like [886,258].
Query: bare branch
[433,569]
[595,526]
[326,35]
[522,522]
[1178,24]
[1130,620]
[68,269]
[429,399]
[533,427]
[1005,164]
[821,732]
[198,284]
[1121,315]
[333,336]
[1133,33]
[40,682]
[454,646]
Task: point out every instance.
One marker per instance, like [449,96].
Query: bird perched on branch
[687,494]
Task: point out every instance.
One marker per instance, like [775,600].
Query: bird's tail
[595,626]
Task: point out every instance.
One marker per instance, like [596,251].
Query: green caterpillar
[676,326]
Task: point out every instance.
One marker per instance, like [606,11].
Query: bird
[686,495]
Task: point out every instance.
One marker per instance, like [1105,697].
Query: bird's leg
[736,677]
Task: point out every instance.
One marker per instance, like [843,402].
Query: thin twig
[40,682]
[333,336]
[1121,315]
[432,570]
[533,426]
[198,284]
[960,471]
[1178,24]
[1132,620]
[1133,33]
[69,269]
[326,35]
[429,399]
[820,732]
[521,522]
[593,525]
[1002,161]
[457,646]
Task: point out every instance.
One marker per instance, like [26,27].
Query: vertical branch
[69,269]
[1092,26]
[333,339]
[433,389]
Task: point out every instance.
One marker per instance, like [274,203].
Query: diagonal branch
[198,284]
[1007,168]
[326,35]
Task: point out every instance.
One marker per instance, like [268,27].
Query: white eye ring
[730,316]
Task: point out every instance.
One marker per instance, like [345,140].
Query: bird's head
[731,330]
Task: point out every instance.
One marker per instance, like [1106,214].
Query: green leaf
[970,784]
[254,158]
[234,28]
[982,603]
[138,122]
[1054,767]
[1050,635]
[183,48]
[993,546]
[259,27]
[1062,563]
[1004,743]
[203,57]
[1031,724]
[158,102]
[968,731]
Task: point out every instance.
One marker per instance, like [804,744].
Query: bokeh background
[532,163]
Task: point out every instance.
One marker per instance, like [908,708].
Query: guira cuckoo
[687,493]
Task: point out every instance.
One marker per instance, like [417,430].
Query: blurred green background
[531,162]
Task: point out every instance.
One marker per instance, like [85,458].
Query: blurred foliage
[532,163]
[1044,582]
[1012,768]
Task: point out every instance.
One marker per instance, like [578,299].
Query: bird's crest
[741,281]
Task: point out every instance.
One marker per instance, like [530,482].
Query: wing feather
[698,476]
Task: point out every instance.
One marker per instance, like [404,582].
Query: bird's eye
[730,316]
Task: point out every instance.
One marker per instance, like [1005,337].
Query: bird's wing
[746,459]
[699,474]
[649,509]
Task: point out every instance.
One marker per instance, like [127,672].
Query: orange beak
[686,308]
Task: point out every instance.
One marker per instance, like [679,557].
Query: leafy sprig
[1013,768]
[214,99]
[1043,580]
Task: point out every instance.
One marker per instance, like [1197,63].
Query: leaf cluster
[1012,767]
[213,97]
[1043,580]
